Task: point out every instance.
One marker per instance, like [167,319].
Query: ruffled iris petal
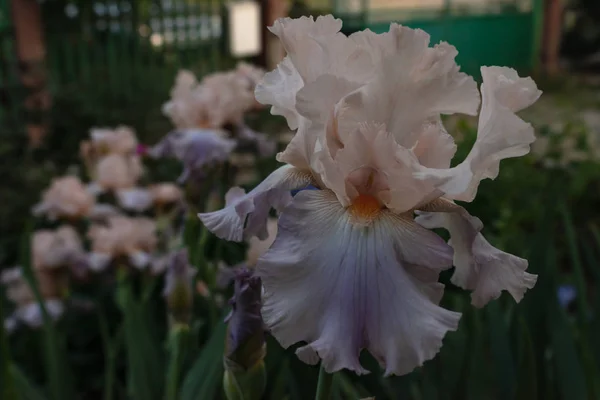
[342,287]
[246,214]
[480,267]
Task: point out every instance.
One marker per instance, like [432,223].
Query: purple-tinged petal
[244,344]
[196,148]
[480,267]
[274,192]
[369,286]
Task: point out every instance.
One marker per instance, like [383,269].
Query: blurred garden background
[81,79]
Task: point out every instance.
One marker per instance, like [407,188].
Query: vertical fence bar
[216,10]
[186,29]
[166,23]
[202,26]
[84,42]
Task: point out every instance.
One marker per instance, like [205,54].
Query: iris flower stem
[324,385]
[178,338]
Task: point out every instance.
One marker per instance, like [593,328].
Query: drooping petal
[370,286]
[274,192]
[480,267]
[257,247]
[501,133]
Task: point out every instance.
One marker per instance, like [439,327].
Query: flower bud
[178,289]
[245,346]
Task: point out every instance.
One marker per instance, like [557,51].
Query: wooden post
[552,36]
[31,54]
[274,51]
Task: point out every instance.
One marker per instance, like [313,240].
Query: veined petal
[370,286]
[501,134]
[480,267]
[274,192]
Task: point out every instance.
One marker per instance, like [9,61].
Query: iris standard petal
[501,134]
[480,267]
[413,82]
[246,214]
[279,88]
[341,286]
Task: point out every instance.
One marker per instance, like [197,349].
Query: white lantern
[244,28]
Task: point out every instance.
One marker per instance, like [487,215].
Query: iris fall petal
[362,295]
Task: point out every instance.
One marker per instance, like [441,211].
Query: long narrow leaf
[501,352]
[144,367]
[26,389]
[54,349]
[7,386]
[204,378]
[569,375]
[527,376]
[578,271]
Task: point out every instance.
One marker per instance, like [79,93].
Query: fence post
[31,54]
[272,47]
[552,36]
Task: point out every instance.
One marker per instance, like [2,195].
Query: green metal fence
[123,48]
[485,32]
[114,57]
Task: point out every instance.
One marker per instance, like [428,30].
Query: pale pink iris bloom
[351,268]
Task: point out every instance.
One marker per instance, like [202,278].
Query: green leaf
[582,306]
[527,374]
[452,358]
[7,387]
[501,353]
[178,337]
[349,390]
[279,387]
[477,386]
[57,368]
[206,374]
[26,389]
[569,373]
[144,366]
